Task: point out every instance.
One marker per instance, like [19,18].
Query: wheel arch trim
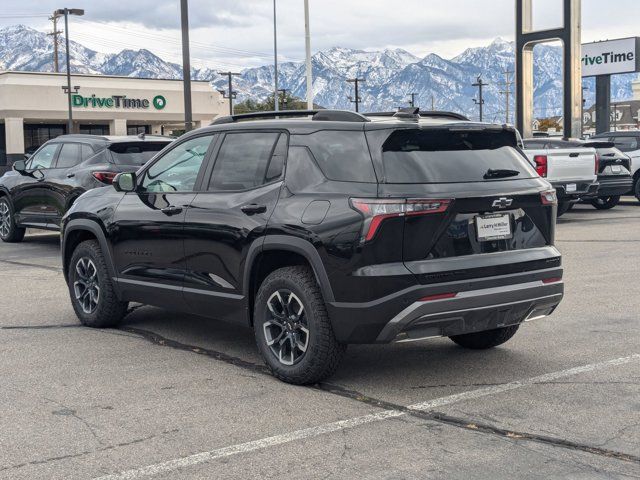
[295,245]
[94,228]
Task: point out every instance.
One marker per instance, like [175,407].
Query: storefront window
[138,129]
[3,147]
[36,135]
[94,129]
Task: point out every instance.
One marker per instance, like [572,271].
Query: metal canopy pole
[526,39]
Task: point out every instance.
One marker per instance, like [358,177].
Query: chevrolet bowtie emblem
[502,202]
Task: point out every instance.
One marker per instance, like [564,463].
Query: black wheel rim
[5,220]
[86,287]
[285,328]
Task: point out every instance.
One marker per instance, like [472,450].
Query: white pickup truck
[571,170]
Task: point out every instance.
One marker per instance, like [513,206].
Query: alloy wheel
[86,286]
[5,220]
[285,329]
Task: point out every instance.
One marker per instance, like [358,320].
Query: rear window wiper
[500,173]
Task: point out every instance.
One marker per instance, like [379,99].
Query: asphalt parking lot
[174,396]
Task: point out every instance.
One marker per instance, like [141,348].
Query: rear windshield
[445,156]
[135,153]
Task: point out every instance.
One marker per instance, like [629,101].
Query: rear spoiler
[596,144]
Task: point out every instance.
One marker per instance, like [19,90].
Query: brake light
[549,197]
[105,177]
[541,164]
[597,163]
[375,211]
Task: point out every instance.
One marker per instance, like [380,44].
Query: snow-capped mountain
[390,74]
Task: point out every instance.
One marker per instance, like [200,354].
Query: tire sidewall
[636,188]
[12,218]
[270,285]
[86,251]
[608,202]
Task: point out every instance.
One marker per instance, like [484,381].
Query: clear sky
[238,33]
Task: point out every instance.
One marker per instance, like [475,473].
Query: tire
[636,188]
[317,353]
[9,231]
[88,271]
[563,207]
[486,339]
[605,203]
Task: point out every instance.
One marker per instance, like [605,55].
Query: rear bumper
[582,189]
[612,185]
[474,311]
[480,304]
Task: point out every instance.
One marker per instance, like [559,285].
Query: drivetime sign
[118,101]
[611,57]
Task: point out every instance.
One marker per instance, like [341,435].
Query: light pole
[232,93]
[356,82]
[480,102]
[307,37]
[275,57]
[66,12]
[186,65]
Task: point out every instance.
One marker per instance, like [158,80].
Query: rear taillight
[105,177]
[541,164]
[375,211]
[549,197]
[597,163]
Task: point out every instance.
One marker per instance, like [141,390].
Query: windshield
[448,156]
[135,153]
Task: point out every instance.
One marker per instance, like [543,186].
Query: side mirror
[20,166]
[125,182]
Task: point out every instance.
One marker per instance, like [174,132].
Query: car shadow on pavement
[416,365]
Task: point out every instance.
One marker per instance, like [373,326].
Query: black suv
[39,190]
[324,230]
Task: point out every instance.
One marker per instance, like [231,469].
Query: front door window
[177,170]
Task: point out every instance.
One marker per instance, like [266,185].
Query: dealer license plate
[571,187]
[496,226]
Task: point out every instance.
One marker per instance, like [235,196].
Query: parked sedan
[39,190]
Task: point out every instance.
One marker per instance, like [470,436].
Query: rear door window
[445,156]
[243,161]
[135,153]
[69,155]
[341,155]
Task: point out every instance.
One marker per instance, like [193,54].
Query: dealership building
[34,108]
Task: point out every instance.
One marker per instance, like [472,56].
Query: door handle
[71,175]
[253,208]
[171,210]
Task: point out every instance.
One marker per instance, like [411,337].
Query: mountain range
[390,74]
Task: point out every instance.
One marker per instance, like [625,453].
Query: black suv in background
[325,229]
[628,142]
[39,190]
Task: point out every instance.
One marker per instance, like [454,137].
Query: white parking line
[263,443]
